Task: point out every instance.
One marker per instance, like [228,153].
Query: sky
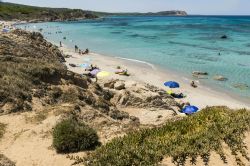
[203,7]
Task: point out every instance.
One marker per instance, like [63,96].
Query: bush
[72,136]
[190,137]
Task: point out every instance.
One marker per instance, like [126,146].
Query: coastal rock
[119,85]
[110,83]
[41,14]
[224,37]
[144,96]
[220,78]
[199,73]
[4,161]
[241,86]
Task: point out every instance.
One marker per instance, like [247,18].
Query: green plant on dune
[190,137]
[72,136]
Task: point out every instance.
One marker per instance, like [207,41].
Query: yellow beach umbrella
[103,74]
[170,92]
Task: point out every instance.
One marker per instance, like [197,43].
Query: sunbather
[193,84]
[122,72]
[178,95]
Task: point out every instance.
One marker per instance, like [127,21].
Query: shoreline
[143,72]
[202,96]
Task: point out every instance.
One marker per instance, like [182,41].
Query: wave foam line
[138,61]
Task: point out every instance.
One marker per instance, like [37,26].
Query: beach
[133,103]
[202,96]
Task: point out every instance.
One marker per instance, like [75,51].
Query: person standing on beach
[60,44]
[76,48]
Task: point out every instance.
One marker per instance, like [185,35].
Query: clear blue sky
[209,7]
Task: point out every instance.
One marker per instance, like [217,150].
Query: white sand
[202,96]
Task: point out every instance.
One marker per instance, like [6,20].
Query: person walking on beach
[76,48]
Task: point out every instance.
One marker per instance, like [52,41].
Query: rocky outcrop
[172,13]
[224,37]
[11,12]
[140,96]
[32,68]
[220,78]
[198,73]
[4,161]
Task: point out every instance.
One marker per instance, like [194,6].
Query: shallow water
[182,44]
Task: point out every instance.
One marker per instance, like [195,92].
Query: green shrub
[190,137]
[72,136]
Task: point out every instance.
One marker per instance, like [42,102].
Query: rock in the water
[119,85]
[223,37]
[199,73]
[220,78]
[241,86]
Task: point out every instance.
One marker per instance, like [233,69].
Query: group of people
[80,51]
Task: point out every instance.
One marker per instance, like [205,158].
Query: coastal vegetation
[11,11]
[189,138]
[70,135]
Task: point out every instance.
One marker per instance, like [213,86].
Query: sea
[178,44]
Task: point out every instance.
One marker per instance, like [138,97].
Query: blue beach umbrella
[5,30]
[190,110]
[172,84]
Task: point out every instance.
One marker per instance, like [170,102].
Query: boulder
[110,84]
[241,86]
[224,37]
[199,73]
[220,78]
[119,85]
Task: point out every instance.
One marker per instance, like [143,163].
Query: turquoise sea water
[181,44]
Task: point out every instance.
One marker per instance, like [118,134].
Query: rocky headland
[17,12]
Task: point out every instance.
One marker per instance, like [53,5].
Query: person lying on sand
[121,71]
[178,95]
[193,84]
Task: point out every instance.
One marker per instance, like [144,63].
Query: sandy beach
[145,73]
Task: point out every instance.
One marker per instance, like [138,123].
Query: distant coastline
[33,14]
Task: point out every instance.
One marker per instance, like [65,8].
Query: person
[86,51]
[122,72]
[80,51]
[60,44]
[178,95]
[76,48]
[193,84]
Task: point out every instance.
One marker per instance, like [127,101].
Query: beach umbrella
[94,72]
[170,92]
[5,30]
[190,109]
[103,74]
[172,84]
